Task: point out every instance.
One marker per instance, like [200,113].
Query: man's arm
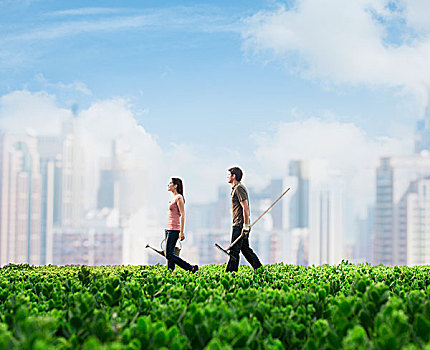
[245,208]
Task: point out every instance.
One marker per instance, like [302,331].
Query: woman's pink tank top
[174,222]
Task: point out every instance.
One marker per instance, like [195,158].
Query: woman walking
[175,227]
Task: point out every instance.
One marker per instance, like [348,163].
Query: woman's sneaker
[195,268]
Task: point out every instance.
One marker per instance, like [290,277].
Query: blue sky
[181,63]
[219,77]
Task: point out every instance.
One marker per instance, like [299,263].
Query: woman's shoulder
[178,196]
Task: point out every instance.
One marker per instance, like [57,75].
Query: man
[240,210]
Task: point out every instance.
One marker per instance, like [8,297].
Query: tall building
[365,227]
[417,217]
[326,224]
[20,195]
[315,214]
[50,149]
[71,178]
[422,134]
[394,199]
[262,200]
[299,208]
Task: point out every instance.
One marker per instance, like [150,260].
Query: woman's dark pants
[172,259]
[242,245]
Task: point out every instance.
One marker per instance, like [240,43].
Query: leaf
[422,328]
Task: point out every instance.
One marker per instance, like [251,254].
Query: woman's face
[171,186]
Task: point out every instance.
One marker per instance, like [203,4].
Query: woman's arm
[181,207]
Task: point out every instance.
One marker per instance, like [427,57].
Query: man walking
[240,210]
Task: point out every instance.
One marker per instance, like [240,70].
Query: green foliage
[281,307]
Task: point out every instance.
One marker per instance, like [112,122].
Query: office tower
[326,224]
[299,204]
[71,178]
[50,149]
[121,180]
[365,227]
[109,180]
[394,183]
[422,133]
[20,194]
[417,216]
[261,200]
[314,213]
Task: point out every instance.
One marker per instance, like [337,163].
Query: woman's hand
[181,236]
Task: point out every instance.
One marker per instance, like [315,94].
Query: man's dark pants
[172,259]
[242,245]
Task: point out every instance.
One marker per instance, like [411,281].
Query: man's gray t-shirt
[238,194]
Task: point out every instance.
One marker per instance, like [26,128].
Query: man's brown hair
[237,172]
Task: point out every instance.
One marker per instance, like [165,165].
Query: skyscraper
[422,134]
[50,149]
[299,208]
[71,178]
[326,224]
[394,200]
[315,213]
[20,196]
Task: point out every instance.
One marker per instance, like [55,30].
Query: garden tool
[163,251]
[228,250]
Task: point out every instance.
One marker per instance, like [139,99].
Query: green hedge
[279,307]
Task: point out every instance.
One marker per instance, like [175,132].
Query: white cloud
[21,110]
[348,151]
[84,11]
[417,14]
[75,86]
[193,18]
[345,41]
[113,119]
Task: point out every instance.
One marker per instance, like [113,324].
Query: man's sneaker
[195,268]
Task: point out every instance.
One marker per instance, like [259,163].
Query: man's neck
[234,183]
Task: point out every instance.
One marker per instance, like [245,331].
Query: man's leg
[249,254]
[233,265]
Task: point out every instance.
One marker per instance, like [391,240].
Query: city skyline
[174,66]
[191,90]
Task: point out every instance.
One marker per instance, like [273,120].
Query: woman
[175,227]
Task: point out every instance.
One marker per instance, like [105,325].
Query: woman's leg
[172,237]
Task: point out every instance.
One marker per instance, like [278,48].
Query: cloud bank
[347,150]
[375,43]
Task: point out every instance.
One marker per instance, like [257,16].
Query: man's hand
[181,236]
[246,229]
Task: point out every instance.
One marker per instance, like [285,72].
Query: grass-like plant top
[280,307]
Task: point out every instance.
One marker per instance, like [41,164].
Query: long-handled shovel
[227,251]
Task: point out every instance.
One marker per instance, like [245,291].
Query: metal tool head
[225,251]
[161,252]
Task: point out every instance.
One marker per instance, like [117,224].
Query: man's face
[230,177]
